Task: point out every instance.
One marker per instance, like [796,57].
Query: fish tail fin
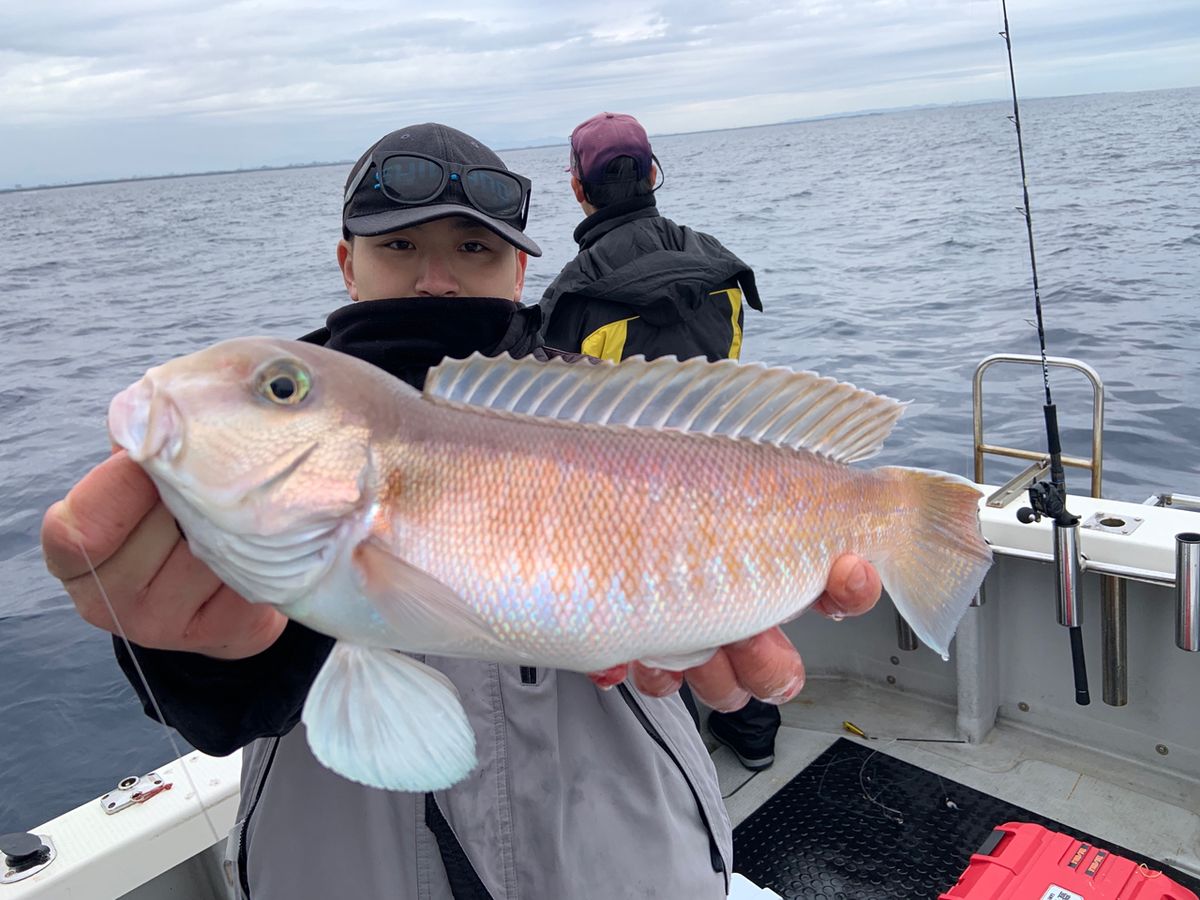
[940,559]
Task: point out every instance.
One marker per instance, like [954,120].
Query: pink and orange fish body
[583,547]
[565,515]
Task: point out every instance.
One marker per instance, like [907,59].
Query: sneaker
[754,752]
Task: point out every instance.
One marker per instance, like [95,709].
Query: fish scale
[675,560]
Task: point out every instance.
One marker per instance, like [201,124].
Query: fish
[564,514]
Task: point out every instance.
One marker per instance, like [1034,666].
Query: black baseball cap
[367,211]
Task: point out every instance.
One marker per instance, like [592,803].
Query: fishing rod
[1049,499]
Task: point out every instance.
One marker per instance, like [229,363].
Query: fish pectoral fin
[428,614]
[383,719]
[680,661]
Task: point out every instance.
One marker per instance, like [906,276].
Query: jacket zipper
[714,852]
[243,850]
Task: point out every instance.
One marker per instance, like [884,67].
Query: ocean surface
[888,253]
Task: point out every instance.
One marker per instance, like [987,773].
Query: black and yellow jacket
[643,285]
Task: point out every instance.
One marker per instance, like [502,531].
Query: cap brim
[395,219]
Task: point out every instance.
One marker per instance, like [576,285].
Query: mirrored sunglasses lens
[494,192]
[410,179]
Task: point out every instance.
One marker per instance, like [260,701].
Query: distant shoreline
[71,184]
[538,146]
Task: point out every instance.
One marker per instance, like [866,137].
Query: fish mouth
[145,422]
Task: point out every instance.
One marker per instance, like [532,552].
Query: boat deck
[1125,804]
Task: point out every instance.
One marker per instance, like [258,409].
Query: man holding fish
[517,776]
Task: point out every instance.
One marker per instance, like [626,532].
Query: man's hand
[163,596]
[765,666]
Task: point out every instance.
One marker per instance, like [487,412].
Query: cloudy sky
[115,88]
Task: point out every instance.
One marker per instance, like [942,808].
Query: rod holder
[980,597]
[1070,586]
[1070,601]
[1114,658]
[906,638]
[1187,591]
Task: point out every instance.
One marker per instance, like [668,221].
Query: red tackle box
[1022,861]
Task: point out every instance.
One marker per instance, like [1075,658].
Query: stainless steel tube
[1070,585]
[1114,659]
[1187,591]
[905,636]
[980,597]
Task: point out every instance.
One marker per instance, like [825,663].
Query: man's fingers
[768,666]
[852,589]
[655,682]
[99,512]
[60,542]
[127,573]
[165,598]
[161,595]
[228,626]
[611,677]
[717,685]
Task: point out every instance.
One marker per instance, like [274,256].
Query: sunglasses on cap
[414,179]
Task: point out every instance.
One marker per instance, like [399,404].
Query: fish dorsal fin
[801,410]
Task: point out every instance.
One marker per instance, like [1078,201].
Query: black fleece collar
[407,336]
[602,221]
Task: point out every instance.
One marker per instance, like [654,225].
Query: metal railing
[1175,501]
[1041,461]
[1114,663]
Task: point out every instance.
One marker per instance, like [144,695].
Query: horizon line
[871,111]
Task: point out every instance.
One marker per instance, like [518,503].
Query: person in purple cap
[580,792]
[642,285]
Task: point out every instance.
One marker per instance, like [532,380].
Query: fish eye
[284,382]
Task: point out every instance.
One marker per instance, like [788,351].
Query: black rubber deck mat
[857,824]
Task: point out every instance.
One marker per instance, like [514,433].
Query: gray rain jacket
[579,792]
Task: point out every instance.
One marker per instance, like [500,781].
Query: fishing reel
[1048,500]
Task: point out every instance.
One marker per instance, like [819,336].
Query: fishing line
[899,816]
[889,813]
[150,693]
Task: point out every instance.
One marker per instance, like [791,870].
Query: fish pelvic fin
[941,558]
[801,410]
[383,719]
